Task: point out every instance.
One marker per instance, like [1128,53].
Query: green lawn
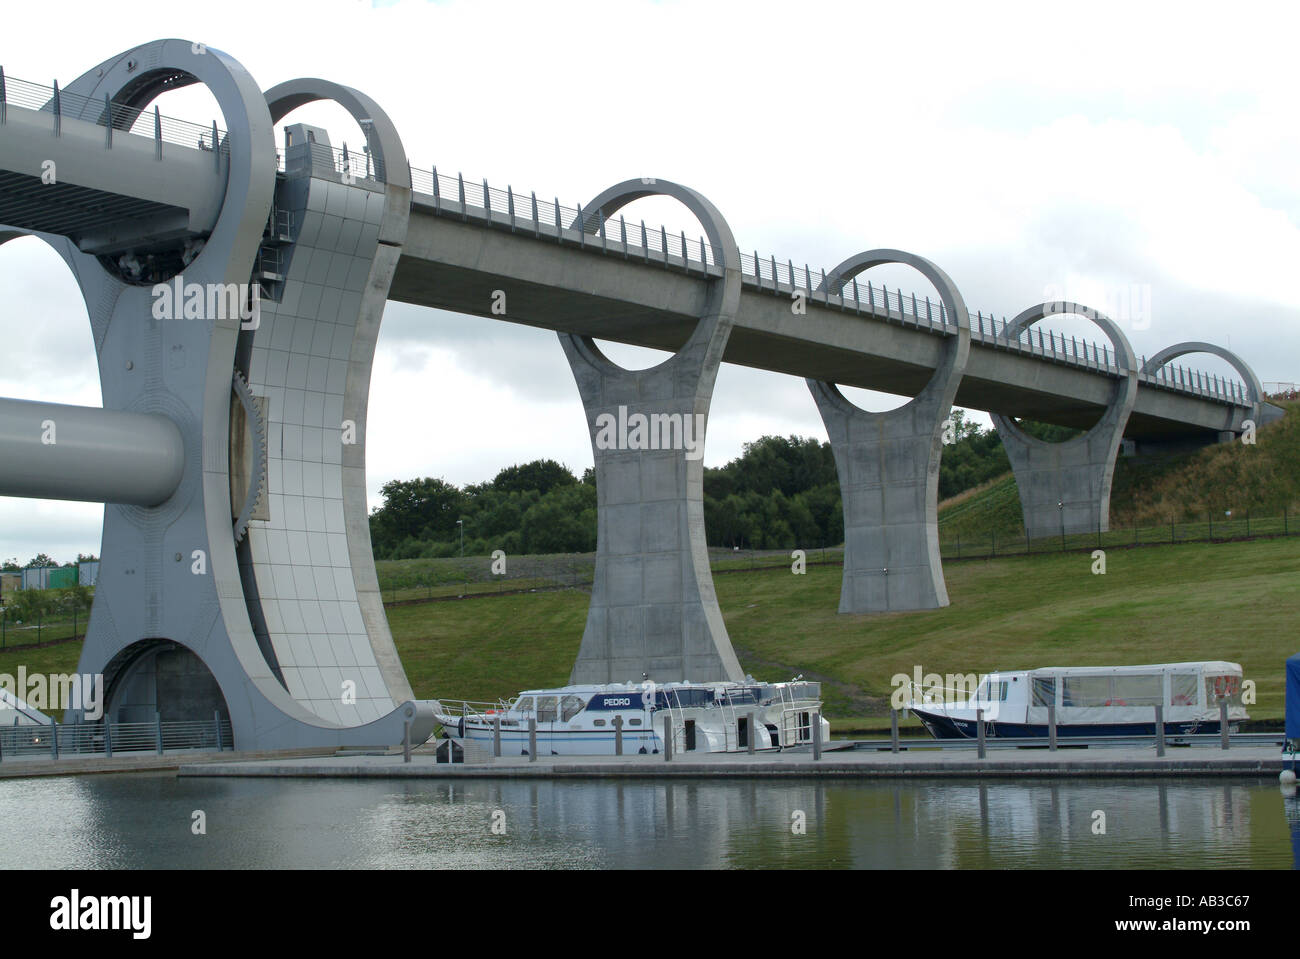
[1234,601]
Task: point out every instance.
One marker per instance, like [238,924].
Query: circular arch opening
[653,225]
[1200,369]
[49,357]
[1073,332]
[187,111]
[905,289]
[161,678]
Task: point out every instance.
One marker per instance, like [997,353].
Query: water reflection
[141,821]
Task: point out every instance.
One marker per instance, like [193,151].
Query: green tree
[420,509]
[540,475]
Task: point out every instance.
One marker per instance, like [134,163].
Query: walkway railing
[526,213]
[59,103]
[108,739]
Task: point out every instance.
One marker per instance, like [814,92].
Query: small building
[36,577]
[10,583]
[88,573]
[62,577]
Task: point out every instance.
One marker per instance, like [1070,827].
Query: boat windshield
[992,690]
[683,698]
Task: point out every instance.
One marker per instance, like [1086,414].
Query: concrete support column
[888,466]
[653,608]
[1065,487]
[180,584]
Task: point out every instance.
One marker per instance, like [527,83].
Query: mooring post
[668,737]
[1160,729]
[893,730]
[618,735]
[406,740]
[532,739]
[1051,726]
[1223,723]
[753,729]
[979,731]
[817,735]
[496,735]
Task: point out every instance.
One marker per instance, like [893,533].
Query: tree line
[780,493]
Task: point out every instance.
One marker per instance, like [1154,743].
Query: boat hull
[949,727]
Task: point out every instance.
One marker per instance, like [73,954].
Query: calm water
[144,820]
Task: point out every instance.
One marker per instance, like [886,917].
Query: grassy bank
[1235,601]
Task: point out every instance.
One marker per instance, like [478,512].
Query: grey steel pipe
[52,451]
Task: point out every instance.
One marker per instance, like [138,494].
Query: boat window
[525,704]
[993,691]
[598,722]
[547,708]
[634,721]
[1220,688]
[1139,689]
[570,706]
[1182,689]
[1085,690]
[1044,690]
[683,698]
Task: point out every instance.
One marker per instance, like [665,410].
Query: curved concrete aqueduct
[230,452]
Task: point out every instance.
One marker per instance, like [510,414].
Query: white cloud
[1020,146]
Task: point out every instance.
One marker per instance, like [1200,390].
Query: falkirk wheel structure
[235,294]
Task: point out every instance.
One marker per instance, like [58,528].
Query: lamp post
[367,127]
[1060,508]
[461,524]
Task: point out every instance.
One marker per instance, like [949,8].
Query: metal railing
[1209,527]
[59,103]
[526,213]
[61,740]
[522,213]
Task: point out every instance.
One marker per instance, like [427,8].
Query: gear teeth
[257,483]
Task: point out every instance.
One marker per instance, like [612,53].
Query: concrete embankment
[1128,763]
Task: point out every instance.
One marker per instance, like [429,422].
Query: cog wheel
[257,471]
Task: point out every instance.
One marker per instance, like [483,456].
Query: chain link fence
[1209,527]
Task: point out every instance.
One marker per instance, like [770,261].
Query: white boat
[1090,701]
[587,720]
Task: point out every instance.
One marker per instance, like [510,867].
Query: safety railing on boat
[472,710]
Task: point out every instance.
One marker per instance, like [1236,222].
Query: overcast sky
[1136,157]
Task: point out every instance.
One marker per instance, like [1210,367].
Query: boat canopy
[1108,694]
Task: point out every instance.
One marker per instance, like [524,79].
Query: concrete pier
[653,608]
[1065,487]
[888,465]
